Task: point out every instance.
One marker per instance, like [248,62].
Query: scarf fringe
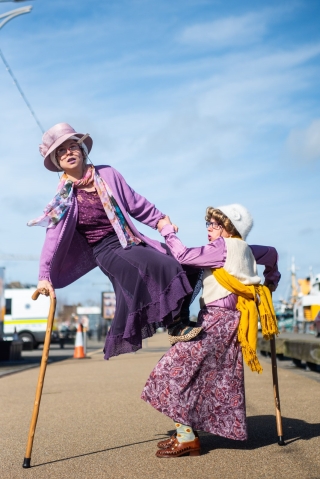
[269,326]
[253,301]
[249,354]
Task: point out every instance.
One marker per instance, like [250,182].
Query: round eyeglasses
[63,151]
[212,225]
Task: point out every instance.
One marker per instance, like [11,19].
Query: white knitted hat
[240,217]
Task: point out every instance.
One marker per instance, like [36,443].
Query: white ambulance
[26,316]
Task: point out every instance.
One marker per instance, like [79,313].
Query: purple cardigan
[66,255]
[213,255]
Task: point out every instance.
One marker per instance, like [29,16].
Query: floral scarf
[62,201]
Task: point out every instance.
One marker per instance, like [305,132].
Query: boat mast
[294,286]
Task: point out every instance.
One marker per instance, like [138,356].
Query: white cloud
[225,32]
[304,144]
[237,30]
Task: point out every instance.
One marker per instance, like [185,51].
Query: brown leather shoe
[167,442]
[192,448]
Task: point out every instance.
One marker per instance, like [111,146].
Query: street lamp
[6,18]
[14,13]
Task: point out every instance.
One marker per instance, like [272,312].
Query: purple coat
[66,255]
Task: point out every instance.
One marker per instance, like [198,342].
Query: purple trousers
[150,288]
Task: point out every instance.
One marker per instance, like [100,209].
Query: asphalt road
[93,425]
[31,359]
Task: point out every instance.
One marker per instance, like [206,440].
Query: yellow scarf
[251,300]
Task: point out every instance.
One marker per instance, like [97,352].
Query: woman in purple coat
[88,225]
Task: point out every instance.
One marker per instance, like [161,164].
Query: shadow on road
[98,452]
[261,432]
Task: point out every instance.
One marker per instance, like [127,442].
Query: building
[307,306]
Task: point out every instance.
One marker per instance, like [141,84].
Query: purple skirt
[150,288]
[201,383]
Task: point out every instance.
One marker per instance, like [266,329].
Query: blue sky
[196,103]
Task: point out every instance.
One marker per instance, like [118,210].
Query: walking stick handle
[43,367]
[35,295]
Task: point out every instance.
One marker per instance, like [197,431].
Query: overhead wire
[15,81]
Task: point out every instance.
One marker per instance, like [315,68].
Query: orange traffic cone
[78,347]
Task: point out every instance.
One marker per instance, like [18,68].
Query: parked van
[27,316]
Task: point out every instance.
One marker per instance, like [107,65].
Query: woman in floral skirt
[200,384]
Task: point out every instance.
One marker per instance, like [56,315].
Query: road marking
[95,352]
[7,322]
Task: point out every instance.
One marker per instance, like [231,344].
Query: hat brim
[47,161]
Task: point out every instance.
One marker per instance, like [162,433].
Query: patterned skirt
[201,383]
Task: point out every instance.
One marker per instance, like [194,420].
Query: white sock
[184,433]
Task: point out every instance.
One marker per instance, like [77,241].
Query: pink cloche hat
[54,137]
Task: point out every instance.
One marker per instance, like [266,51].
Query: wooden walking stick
[276,389]
[42,372]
